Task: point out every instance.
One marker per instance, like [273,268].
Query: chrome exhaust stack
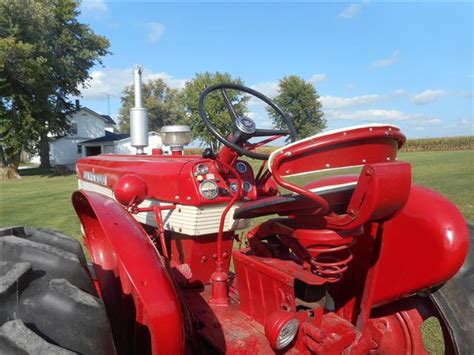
[138,116]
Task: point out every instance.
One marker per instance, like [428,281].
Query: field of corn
[412,145]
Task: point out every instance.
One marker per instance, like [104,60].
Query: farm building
[92,134]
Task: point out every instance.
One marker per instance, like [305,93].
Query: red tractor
[347,264]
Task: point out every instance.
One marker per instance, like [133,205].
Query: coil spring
[331,261]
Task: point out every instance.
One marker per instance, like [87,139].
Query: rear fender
[140,298]
[423,246]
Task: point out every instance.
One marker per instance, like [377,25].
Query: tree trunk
[10,170]
[44,151]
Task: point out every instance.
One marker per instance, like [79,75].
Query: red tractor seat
[381,189]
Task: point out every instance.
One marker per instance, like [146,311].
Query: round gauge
[241,167]
[209,189]
[202,169]
[234,187]
[247,186]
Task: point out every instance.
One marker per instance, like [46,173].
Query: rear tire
[48,303]
[455,303]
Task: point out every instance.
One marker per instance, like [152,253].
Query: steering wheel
[244,128]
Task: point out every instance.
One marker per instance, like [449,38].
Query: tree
[161,101]
[300,101]
[45,56]
[215,106]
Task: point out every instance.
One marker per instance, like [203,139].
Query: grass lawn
[42,199]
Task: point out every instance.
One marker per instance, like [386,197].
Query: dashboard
[212,187]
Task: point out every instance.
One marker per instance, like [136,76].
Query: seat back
[372,146]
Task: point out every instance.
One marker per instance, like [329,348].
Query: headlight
[287,334]
[281,328]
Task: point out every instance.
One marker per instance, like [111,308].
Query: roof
[109,137]
[108,119]
[113,137]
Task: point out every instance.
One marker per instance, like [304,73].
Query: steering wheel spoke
[228,104]
[262,132]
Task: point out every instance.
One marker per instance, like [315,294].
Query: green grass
[40,199]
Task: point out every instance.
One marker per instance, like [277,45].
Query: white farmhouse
[92,134]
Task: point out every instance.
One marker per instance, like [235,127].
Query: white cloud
[94,6]
[156,31]
[398,92]
[381,115]
[367,115]
[350,11]
[268,88]
[336,102]
[113,81]
[385,62]
[317,78]
[427,96]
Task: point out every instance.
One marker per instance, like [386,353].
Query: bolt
[225,254]
[203,259]
[188,198]
[240,344]
[381,326]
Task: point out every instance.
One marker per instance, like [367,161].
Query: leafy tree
[161,101]
[45,56]
[300,100]
[215,106]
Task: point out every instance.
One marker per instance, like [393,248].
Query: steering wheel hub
[245,125]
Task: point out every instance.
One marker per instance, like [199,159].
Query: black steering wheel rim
[242,151]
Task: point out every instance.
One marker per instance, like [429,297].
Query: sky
[408,64]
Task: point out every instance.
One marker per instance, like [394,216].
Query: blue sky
[410,64]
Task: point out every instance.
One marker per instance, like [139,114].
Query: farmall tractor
[203,254]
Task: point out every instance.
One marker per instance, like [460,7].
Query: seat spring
[330,261]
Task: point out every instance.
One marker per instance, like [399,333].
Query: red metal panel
[168,178]
[199,253]
[345,148]
[140,298]
[262,289]
[423,246]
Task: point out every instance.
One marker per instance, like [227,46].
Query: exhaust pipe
[138,116]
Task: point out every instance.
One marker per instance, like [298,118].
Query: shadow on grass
[44,172]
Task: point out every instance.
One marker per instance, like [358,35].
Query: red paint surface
[140,298]
[425,245]
[369,246]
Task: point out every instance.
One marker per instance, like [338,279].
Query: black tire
[48,303]
[455,304]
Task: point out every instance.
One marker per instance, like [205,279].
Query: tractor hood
[161,173]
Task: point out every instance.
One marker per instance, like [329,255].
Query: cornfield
[412,145]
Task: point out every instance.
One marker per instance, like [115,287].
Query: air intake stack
[138,116]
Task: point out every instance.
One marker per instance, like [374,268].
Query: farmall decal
[97,178]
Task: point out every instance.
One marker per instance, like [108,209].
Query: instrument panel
[213,187]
